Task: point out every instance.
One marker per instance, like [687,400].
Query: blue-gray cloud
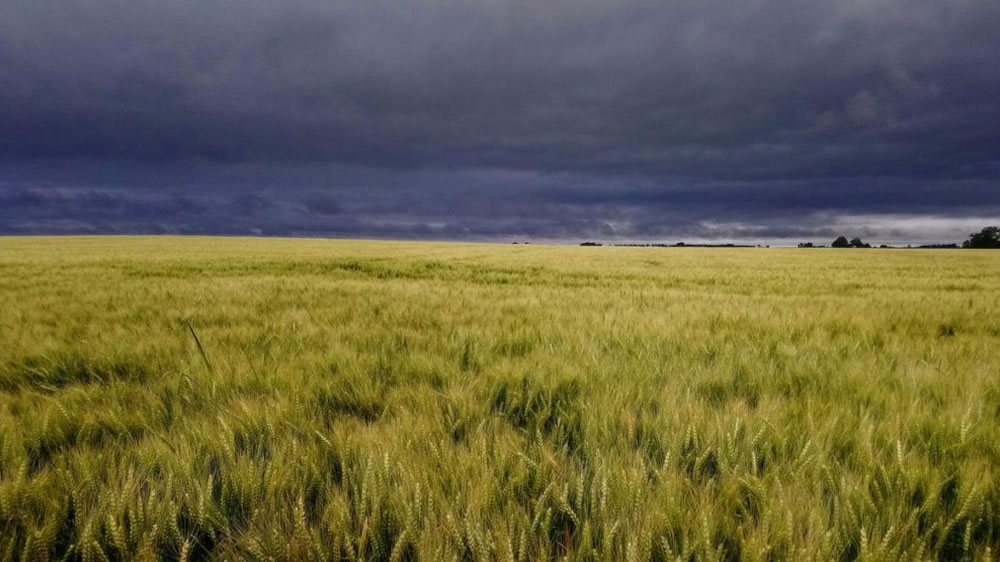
[502,118]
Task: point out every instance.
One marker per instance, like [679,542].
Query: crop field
[273,399]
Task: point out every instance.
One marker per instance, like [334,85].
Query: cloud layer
[499,119]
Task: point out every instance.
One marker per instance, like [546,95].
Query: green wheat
[202,398]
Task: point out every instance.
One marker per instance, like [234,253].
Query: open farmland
[227,398]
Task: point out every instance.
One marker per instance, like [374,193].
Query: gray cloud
[564,118]
[323,204]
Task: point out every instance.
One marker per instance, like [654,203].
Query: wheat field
[271,399]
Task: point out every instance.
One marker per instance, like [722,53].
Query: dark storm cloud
[251,204]
[552,119]
[323,204]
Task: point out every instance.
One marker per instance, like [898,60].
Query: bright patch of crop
[206,398]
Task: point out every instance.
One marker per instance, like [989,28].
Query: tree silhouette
[841,242]
[988,237]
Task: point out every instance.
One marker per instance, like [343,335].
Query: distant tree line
[988,237]
[687,245]
[842,242]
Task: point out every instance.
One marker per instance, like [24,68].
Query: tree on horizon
[988,237]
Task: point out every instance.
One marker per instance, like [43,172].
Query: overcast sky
[658,120]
